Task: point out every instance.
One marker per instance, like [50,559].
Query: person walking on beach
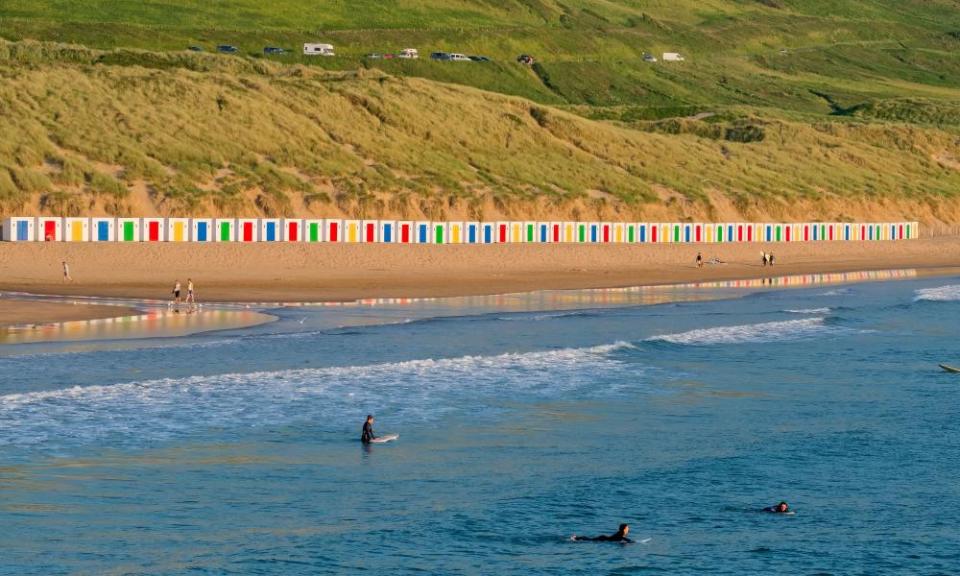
[765,257]
[176,295]
[770,257]
[699,260]
[191,299]
[66,272]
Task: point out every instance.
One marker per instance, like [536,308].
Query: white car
[460,57]
[409,54]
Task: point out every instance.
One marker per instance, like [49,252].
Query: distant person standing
[765,258]
[66,272]
[176,294]
[771,258]
[191,298]
[699,260]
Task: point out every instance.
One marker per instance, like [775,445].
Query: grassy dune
[784,108]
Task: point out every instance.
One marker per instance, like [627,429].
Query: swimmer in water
[781,508]
[620,536]
[367,435]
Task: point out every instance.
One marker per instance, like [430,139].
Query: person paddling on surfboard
[367,435]
[781,508]
[620,536]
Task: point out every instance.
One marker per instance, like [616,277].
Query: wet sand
[25,312]
[325,272]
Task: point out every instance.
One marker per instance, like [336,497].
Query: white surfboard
[384,438]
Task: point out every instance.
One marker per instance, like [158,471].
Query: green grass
[778,100]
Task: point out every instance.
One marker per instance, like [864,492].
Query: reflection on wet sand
[152,323]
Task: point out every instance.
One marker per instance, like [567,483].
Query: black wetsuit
[367,435]
[618,537]
[775,510]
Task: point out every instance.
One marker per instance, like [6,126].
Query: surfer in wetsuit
[367,435]
[781,508]
[620,536]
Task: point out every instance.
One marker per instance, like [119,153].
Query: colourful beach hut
[178,229]
[488,232]
[544,232]
[49,229]
[455,232]
[291,230]
[269,230]
[556,232]
[502,232]
[422,232]
[438,232]
[248,229]
[128,229]
[387,231]
[202,230]
[471,232]
[76,229]
[312,231]
[226,229]
[527,232]
[370,231]
[152,230]
[19,229]
[406,232]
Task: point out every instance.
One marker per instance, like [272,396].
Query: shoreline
[342,273]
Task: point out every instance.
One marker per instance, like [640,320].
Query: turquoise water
[236,452]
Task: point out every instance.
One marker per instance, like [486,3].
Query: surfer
[367,435]
[620,536]
[781,508]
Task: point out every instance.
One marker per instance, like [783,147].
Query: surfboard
[949,368]
[384,438]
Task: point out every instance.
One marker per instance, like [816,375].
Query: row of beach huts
[107,229]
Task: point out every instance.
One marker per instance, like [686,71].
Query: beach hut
[438,232]
[49,229]
[556,232]
[632,230]
[248,230]
[387,231]
[643,232]
[421,232]
[152,230]
[370,231]
[351,231]
[518,233]
[76,229]
[269,230]
[226,229]
[544,232]
[471,232]
[454,232]
[312,231]
[569,232]
[128,229]
[19,229]
[502,232]
[202,230]
[583,232]
[488,232]
[531,232]
[406,232]
[103,229]
[291,230]
[332,230]
[178,229]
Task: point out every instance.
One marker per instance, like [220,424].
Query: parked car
[409,53]
[479,58]
[195,48]
[648,57]
[273,50]
[526,59]
[440,56]
[227,49]
[457,57]
[318,50]
[374,56]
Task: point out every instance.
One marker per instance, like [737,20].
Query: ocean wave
[808,311]
[137,413]
[750,333]
[950,293]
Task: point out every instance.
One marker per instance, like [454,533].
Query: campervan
[318,50]
[409,53]
[672,57]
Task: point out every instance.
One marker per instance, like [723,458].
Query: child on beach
[66,272]
[699,260]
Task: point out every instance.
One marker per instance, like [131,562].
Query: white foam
[808,311]
[748,333]
[950,293]
[134,413]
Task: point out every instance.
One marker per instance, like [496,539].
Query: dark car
[227,49]
[479,58]
[526,59]
[195,48]
[440,55]
[273,50]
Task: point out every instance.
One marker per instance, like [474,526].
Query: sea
[523,419]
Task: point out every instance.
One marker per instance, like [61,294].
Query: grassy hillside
[793,108]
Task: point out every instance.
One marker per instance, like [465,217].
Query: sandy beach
[18,312]
[318,272]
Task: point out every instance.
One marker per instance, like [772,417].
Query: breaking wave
[950,293]
[750,333]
